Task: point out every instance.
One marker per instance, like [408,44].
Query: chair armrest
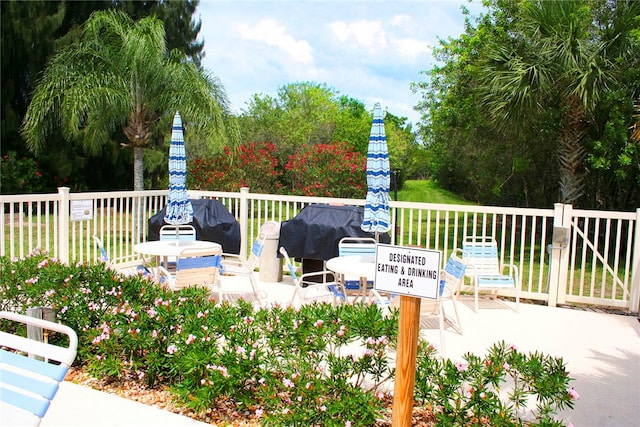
[232,259]
[513,271]
[163,275]
[324,273]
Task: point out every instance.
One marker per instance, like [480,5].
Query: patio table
[166,249]
[362,266]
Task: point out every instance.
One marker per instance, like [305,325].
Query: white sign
[81,210]
[407,271]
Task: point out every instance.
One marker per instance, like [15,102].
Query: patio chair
[31,370]
[127,265]
[451,279]
[233,265]
[485,270]
[364,246]
[194,267]
[172,233]
[314,286]
[182,233]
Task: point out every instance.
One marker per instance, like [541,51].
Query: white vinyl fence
[565,255]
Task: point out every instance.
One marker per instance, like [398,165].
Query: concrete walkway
[601,351]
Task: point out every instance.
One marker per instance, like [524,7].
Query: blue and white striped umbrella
[179,210]
[376,210]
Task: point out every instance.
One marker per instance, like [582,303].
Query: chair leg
[443,349]
[256,291]
[458,325]
[475,296]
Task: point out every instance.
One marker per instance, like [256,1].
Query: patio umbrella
[179,210]
[376,209]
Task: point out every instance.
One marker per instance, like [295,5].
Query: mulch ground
[225,413]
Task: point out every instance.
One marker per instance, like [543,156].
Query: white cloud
[369,51]
[365,34]
[411,48]
[401,21]
[270,32]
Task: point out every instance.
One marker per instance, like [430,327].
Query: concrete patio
[601,351]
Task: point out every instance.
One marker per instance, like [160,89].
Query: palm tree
[552,61]
[120,76]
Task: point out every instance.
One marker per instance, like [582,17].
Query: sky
[367,50]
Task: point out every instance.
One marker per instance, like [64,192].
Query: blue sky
[367,50]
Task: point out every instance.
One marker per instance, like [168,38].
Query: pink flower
[318,323]
[461,366]
[573,394]
[172,349]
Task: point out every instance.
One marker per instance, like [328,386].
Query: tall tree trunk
[571,152]
[138,168]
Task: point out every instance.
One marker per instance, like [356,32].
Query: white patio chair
[175,233]
[365,246]
[314,286]
[451,278]
[233,266]
[486,271]
[194,267]
[31,370]
[182,233]
[127,265]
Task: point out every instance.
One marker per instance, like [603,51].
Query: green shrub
[318,365]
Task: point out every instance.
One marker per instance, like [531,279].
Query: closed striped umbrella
[179,210]
[376,210]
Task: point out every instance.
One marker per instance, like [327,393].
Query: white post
[565,254]
[634,296]
[244,220]
[554,259]
[63,225]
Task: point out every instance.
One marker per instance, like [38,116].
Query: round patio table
[362,266]
[167,249]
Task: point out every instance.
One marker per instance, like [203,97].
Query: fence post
[244,220]
[634,296]
[63,225]
[565,255]
[559,254]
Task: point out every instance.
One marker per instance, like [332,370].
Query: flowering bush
[331,170]
[318,365]
[495,390]
[254,165]
[20,175]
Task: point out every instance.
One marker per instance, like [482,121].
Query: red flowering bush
[252,165]
[20,175]
[330,170]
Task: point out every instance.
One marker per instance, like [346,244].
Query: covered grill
[212,222]
[315,232]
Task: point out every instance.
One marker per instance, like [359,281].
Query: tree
[27,27]
[552,59]
[121,76]
[499,103]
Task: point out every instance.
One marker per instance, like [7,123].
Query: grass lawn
[425,191]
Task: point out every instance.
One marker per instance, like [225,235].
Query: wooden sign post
[413,273]
[408,328]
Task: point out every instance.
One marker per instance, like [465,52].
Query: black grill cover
[317,229]
[212,222]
